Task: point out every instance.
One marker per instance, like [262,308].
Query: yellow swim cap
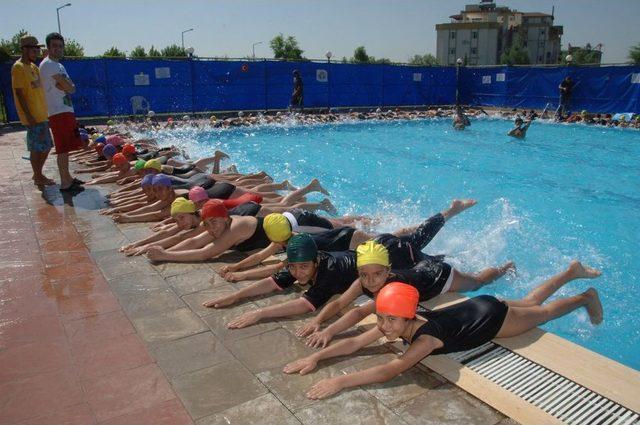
[277,227]
[182,205]
[153,164]
[94,136]
[372,252]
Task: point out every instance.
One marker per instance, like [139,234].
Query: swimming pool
[566,191]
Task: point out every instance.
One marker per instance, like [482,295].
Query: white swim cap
[151,114]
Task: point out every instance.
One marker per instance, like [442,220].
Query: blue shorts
[39,138]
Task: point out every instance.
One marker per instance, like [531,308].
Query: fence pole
[193,92]
[266,85]
[329,80]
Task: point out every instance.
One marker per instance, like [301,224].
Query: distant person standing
[57,89]
[297,97]
[31,106]
[566,88]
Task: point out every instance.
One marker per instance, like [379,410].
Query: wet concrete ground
[88,336]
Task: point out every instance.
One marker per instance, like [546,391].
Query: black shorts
[221,191]
[433,276]
[309,219]
[248,208]
[334,240]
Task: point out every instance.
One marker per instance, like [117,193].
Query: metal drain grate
[558,396]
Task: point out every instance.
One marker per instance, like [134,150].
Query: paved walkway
[88,336]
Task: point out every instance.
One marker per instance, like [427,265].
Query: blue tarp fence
[607,89]
[112,87]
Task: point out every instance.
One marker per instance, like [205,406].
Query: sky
[395,29]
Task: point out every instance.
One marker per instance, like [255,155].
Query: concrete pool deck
[88,336]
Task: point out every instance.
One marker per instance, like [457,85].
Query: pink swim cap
[115,140]
[197,194]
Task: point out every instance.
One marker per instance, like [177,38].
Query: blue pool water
[565,192]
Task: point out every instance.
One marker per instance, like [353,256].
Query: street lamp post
[459,63]
[58,14]
[253,49]
[328,56]
[182,35]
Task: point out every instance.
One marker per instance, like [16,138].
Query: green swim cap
[139,165]
[301,248]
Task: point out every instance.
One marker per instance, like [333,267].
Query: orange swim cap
[398,299]
[119,159]
[214,208]
[128,149]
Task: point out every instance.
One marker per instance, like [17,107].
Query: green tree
[515,55]
[154,53]
[138,52]
[634,54]
[173,51]
[113,52]
[581,55]
[73,49]
[286,48]
[423,60]
[360,55]
[11,47]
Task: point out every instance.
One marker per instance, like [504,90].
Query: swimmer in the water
[462,326]
[520,129]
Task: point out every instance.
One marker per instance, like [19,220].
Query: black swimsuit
[205,181]
[464,325]
[258,240]
[334,240]
[428,277]
[406,251]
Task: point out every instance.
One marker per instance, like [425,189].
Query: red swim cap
[98,147]
[398,299]
[119,159]
[245,197]
[128,149]
[214,208]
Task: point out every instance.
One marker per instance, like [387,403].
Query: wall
[111,87]
[108,87]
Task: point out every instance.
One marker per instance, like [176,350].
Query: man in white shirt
[57,89]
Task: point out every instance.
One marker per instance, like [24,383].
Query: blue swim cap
[109,150]
[147,180]
[84,136]
[161,180]
[101,139]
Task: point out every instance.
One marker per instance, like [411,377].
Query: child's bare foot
[315,186]
[594,306]
[288,186]
[328,206]
[459,205]
[508,267]
[581,271]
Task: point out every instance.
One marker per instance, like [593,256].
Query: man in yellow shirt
[31,106]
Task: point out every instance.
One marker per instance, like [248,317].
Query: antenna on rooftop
[553,10]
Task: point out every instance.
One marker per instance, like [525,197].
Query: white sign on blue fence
[322,75]
[141,79]
[635,78]
[500,77]
[163,72]
[417,77]
[486,79]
